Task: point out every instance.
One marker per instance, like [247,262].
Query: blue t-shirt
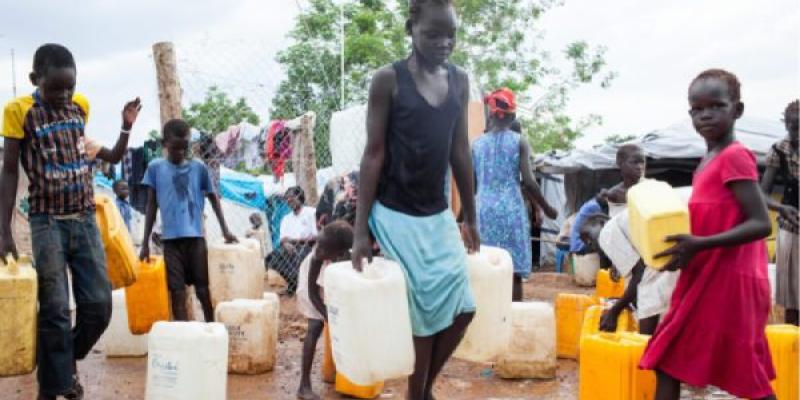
[125,210]
[590,207]
[180,194]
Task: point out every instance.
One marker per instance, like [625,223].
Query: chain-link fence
[256,156]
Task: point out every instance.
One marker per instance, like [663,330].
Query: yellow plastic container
[18,288]
[120,255]
[609,368]
[656,211]
[328,368]
[606,287]
[570,309]
[773,237]
[784,341]
[147,300]
[591,322]
[347,388]
[342,384]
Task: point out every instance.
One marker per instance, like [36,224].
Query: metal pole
[341,55]
[13,75]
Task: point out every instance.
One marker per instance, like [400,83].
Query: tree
[217,112]
[153,135]
[499,43]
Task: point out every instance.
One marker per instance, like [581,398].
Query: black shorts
[187,263]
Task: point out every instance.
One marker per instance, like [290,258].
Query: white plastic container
[235,271]
[586,267]
[491,274]
[369,322]
[772,270]
[252,334]
[187,361]
[532,349]
[118,341]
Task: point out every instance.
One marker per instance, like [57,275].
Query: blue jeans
[58,244]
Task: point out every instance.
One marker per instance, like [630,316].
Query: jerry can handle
[11,263]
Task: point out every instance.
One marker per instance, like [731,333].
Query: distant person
[782,161]
[258,232]
[631,164]
[297,237]
[45,133]
[500,158]
[333,244]
[121,191]
[648,289]
[178,187]
[416,129]
[713,333]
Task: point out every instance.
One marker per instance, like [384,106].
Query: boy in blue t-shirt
[178,187]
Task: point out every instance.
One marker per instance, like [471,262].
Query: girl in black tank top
[416,127]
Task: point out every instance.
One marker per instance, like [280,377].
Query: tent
[571,178]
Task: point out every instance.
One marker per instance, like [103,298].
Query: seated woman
[298,234]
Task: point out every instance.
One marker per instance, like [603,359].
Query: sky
[655,47]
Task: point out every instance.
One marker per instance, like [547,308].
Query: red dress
[713,333]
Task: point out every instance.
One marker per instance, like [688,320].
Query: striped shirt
[53,153]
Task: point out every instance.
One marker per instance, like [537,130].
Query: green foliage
[217,112]
[499,43]
[618,138]
[153,135]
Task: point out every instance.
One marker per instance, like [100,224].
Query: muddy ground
[124,378]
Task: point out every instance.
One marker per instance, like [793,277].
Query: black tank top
[418,141]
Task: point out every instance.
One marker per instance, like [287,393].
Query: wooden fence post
[169,88]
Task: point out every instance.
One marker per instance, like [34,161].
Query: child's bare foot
[305,393]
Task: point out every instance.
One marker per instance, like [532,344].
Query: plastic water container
[18,288]
[147,300]
[369,322]
[532,349]
[606,287]
[120,254]
[235,271]
[118,341]
[491,274]
[656,211]
[586,267]
[593,315]
[772,270]
[570,309]
[342,384]
[252,334]
[187,361]
[784,341]
[609,368]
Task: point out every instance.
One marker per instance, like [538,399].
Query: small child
[258,232]
[44,132]
[121,190]
[713,333]
[333,244]
[177,186]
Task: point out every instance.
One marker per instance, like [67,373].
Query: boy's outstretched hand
[229,237]
[130,112]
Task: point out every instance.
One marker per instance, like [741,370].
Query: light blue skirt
[434,260]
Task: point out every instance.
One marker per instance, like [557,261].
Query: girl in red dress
[713,333]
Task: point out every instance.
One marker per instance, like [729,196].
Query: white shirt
[300,226]
[655,289]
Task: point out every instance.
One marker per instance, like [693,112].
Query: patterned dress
[502,216]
